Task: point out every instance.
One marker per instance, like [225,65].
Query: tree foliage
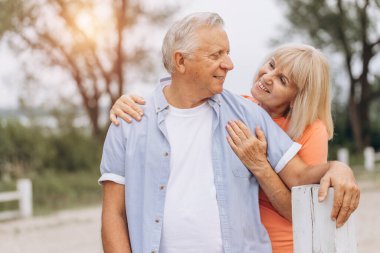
[25,151]
[90,40]
[351,28]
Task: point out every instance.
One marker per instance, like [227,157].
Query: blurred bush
[63,164]
[25,151]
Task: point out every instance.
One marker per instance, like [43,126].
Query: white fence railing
[313,229]
[23,195]
[370,157]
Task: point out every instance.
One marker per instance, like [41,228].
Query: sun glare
[86,23]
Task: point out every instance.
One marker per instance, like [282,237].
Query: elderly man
[172,183]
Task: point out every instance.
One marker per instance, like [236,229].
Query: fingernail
[141,113]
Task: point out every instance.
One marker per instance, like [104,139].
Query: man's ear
[179,62]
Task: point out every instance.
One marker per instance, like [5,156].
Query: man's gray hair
[182,35]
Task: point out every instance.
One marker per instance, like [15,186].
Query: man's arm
[114,221]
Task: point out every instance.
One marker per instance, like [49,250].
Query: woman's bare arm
[275,189]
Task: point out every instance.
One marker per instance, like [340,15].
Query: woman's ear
[179,62]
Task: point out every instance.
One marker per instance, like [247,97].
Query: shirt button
[162,187]
[153,251]
[166,154]
[157,221]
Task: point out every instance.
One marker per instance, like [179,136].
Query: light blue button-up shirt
[138,156]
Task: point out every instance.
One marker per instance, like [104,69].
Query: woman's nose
[268,78]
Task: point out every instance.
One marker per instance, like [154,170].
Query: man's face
[206,68]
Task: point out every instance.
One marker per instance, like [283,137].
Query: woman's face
[273,89]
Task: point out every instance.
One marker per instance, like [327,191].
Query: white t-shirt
[191,221]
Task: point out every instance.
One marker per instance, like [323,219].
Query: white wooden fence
[370,157]
[313,229]
[343,155]
[23,195]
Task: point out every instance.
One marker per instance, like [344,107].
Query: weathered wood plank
[313,229]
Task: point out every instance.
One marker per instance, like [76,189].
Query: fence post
[369,158]
[24,187]
[343,155]
[313,229]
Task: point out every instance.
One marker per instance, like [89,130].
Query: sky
[250,26]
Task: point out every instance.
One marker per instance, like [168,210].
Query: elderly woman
[293,86]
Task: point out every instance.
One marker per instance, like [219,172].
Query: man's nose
[227,63]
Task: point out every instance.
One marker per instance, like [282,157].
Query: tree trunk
[355,123]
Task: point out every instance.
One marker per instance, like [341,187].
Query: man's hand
[126,107]
[346,191]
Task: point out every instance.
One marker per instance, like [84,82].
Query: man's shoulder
[239,103]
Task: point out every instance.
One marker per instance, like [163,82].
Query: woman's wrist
[260,169]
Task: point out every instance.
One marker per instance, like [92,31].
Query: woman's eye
[271,64]
[283,80]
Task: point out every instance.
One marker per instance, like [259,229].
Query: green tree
[90,40]
[352,30]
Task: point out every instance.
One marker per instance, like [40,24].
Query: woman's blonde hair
[309,70]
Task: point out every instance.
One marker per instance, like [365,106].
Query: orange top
[314,149]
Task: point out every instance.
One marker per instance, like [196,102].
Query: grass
[369,176]
[53,191]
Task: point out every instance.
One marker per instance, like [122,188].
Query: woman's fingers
[234,137]
[244,128]
[113,118]
[137,99]
[130,110]
[134,101]
[232,144]
[120,113]
[260,134]
[238,131]
[345,211]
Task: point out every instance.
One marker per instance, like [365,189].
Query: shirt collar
[161,103]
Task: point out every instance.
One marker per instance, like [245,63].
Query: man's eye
[215,56]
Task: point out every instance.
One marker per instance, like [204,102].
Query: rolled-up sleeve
[281,148]
[112,166]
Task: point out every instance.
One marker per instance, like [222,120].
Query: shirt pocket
[239,170]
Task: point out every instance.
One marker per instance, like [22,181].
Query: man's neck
[182,95]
